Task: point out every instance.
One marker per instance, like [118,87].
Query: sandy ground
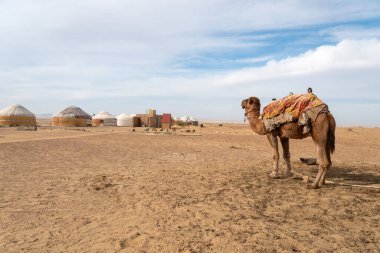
[110,189]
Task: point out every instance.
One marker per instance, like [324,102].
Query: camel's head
[250,104]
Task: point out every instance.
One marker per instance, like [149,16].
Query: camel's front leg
[274,143]
[286,156]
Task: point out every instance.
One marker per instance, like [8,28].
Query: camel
[322,131]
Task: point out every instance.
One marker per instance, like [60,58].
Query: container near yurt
[166,121]
[72,116]
[127,120]
[17,115]
[104,119]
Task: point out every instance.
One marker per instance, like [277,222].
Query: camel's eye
[250,101]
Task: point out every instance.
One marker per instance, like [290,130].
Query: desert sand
[110,189]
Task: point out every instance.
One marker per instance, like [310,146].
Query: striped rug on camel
[290,109]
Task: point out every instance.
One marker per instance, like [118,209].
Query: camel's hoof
[274,175]
[321,185]
[289,174]
[311,186]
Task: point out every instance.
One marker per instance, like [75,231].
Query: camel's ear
[254,100]
[251,100]
[244,103]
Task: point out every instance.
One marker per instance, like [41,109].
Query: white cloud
[348,55]
[81,50]
[148,34]
[348,70]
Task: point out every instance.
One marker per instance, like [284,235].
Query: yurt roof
[74,112]
[103,115]
[16,110]
[125,116]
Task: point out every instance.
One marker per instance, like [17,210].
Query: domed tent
[126,120]
[189,120]
[17,115]
[72,116]
[104,118]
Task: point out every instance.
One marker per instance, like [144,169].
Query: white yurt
[187,119]
[17,115]
[72,116]
[126,120]
[104,118]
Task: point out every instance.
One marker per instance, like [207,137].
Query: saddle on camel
[294,117]
[303,108]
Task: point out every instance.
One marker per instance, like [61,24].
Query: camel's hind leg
[274,143]
[286,156]
[323,166]
[319,135]
[323,177]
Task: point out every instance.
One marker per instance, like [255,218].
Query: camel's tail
[331,134]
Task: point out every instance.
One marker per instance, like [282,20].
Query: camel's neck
[256,124]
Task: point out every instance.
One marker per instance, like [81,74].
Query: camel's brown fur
[322,131]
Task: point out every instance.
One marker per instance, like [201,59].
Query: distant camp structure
[75,117]
[104,119]
[186,120]
[150,119]
[72,116]
[167,121]
[17,115]
[127,120]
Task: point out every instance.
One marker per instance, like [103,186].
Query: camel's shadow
[351,174]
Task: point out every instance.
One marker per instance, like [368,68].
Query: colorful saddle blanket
[292,105]
[304,107]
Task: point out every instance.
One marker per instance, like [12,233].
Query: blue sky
[198,58]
